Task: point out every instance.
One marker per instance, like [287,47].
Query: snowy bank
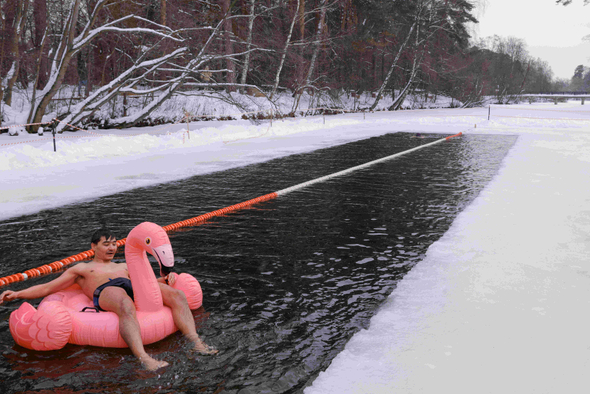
[498,304]
[90,164]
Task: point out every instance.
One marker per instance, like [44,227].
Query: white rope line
[359,167]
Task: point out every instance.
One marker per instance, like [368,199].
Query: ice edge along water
[499,302]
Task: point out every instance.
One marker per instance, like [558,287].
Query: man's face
[105,249]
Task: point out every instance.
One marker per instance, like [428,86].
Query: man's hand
[8,295]
[171,279]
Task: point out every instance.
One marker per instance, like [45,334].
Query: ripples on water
[286,282]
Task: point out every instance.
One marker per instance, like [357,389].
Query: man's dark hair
[103,232]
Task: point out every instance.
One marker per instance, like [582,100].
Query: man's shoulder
[78,267]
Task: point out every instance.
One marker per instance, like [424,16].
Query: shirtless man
[116,295]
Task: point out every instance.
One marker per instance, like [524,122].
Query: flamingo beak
[165,258]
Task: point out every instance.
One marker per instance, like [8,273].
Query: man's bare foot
[151,364]
[202,348]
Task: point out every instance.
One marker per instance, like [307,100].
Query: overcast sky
[552,32]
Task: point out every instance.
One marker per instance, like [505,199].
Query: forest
[109,51]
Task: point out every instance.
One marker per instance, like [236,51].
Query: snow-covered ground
[498,305]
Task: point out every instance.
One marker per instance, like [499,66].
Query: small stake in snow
[187,116]
[53,127]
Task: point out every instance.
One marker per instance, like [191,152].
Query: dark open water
[286,283]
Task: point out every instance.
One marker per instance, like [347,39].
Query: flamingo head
[152,239]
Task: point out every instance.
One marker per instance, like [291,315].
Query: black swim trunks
[123,283]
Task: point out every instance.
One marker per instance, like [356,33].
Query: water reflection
[286,282]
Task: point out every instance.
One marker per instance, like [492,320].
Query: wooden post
[54,126]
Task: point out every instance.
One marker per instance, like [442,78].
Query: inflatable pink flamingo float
[68,316]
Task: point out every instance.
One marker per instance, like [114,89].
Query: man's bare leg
[116,300]
[183,318]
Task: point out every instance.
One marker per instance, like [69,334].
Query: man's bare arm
[65,280]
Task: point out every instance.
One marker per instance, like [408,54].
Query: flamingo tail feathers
[47,328]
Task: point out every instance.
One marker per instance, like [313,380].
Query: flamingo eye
[148,241]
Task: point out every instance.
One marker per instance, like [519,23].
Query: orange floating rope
[87,255]
[453,136]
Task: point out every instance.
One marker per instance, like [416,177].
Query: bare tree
[509,67]
[40,38]
[13,17]
[392,67]
[428,23]
[251,18]
[71,43]
[125,83]
[307,84]
[186,65]
[415,62]
[285,49]
[228,44]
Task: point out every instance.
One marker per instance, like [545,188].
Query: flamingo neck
[146,289]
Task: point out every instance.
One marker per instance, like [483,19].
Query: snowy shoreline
[139,157]
[498,303]
[495,305]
